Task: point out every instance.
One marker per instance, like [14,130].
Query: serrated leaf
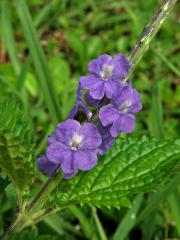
[132,166]
[12,118]
[15,145]
[15,160]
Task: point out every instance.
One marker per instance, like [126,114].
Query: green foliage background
[72,33]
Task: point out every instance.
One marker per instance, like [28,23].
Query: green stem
[34,210]
[19,223]
[149,32]
[45,191]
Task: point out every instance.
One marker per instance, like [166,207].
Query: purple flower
[107,139]
[45,166]
[106,75]
[120,114]
[90,101]
[74,147]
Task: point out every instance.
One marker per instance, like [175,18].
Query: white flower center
[106,72]
[125,106]
[76,141]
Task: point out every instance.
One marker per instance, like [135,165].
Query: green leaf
[134,165]
[58,66]
[13,119]
[15,145]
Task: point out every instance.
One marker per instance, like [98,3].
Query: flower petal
[85,159]
[66,130]
[113,88]
[52,138]
[125,123]
[129,100]
[68,164]
[108,114]
[107,139]
[121,67]
[95,66]
[56,151]
[91,136]
[90,101]
[89,81]
[70,175]
[136,102]
[98,90]
[45,166]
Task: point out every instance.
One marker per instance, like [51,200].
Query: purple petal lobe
[108,114]
[56,151]
[45,166]
[121,67]
[98,90]
[95,66]
[107,139]
[67,129]
[70,175]
[125,123]
[68,164]
[136,102]
[85,159]
[90,101]
[113,88]
[52,138]
[91,136]
[88,81]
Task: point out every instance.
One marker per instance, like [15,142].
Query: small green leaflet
[15,145]
[133,165]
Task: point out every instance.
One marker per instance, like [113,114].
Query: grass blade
[174,202]
[129,220]
[170,65]
[38,59]
[55,223]
[22,75]
[59,225]
[84,221]
[156,107]
[158,197]
[8,36]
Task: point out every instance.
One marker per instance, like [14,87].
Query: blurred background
[45,43]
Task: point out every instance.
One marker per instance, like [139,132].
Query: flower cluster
[76,146]
[71,147]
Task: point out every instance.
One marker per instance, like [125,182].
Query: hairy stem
[149,32]
[11,228]
[34,211]
[46,189]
